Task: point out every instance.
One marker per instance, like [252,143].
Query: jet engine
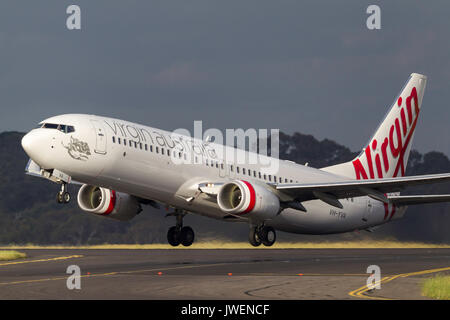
[108,203]
[241,197]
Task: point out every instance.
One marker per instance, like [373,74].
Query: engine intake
[240,197]
[108,203]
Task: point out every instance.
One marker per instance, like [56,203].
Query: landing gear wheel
[59,197]
[173,236]
[187,236]
[66,197]
[268,236]
[63,196]
[253,237]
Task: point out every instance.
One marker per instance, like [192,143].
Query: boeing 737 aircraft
[122,166]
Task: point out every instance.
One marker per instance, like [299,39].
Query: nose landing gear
[178,234]
[262,234]
[63,196]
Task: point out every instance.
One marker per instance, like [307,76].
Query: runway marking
[360,292]
[41,260]
[113,273]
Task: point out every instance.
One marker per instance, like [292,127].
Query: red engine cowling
[108,203]
[240,197]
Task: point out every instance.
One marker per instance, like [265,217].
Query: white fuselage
[138,160]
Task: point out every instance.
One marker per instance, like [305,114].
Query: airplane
[123,165]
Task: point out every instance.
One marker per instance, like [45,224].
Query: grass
[11,255]
[437,287]
[220,244]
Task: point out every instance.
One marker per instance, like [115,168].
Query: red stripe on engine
[112,203]
[252,197]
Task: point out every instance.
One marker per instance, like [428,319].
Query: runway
[221,274]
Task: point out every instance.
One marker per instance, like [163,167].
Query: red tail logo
[396,143]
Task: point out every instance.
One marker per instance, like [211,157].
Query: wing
[418,199]
[331,192]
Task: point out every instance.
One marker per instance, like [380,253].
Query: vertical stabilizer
[387,152]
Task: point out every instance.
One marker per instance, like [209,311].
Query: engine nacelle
[108,203]
[240,197]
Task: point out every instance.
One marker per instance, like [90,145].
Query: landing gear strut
[179,234]
[63,196]
[262,234]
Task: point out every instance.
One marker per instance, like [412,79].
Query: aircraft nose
[32,144]
[27,143]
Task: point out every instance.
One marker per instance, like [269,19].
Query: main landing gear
[262,234]
[63,196]
[179,234]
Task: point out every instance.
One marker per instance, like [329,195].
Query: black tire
[59,197]
[187,236]
[268,236]
[66,197]
[254,238]
[173,236]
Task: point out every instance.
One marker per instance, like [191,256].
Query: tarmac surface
[221,274]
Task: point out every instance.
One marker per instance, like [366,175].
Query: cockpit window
[61,127]
[50,126]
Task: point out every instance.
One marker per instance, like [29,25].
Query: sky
[299,66]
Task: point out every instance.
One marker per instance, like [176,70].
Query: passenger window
[243,170]
[114,139]
[162,151]
[140,145]
[265,177]
[231,167]
[151,148]
[270,177]
[118,140]
[157,149]
[259,174]
[125,142]
[168,152]
[145,146]
[237,169]
[70,129]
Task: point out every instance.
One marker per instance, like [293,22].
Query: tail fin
[387,152]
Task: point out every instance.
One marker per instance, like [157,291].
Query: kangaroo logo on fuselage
[77,149]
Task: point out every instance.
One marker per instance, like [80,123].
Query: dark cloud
[308,66]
